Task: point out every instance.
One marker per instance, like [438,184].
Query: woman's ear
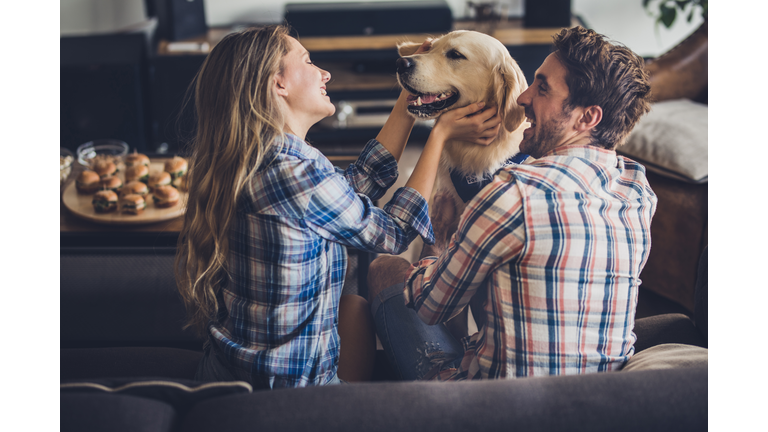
[405,49]
[509,83]
[279,87]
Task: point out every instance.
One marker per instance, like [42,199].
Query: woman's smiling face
[302,86]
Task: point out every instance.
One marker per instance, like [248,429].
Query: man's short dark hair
[606,74]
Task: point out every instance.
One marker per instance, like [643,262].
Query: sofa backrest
[121,297]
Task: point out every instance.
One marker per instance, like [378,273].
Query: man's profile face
[544,103]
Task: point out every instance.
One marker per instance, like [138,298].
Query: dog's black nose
[404,65]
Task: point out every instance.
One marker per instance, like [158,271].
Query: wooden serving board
[81,206]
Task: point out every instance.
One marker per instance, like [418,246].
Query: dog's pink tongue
[427,99]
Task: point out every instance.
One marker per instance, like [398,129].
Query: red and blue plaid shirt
[287,258]
[555,247]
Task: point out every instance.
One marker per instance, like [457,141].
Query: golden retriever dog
[461,68]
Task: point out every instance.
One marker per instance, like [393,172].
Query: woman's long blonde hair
[238,120]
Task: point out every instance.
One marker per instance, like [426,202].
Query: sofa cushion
[136,362]
[668,356]
[672,140]
[181,394]
[606,401]
[118,413]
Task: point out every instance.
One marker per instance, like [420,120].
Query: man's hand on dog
[472,123]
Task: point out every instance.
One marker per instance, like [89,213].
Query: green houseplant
[666,11]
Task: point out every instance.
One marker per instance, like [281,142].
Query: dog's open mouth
[428,105]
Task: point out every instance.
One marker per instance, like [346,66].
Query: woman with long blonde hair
[262,253]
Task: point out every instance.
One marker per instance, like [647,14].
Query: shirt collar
[294,144]
[600,155]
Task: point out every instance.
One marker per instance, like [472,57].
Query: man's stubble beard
[547,136]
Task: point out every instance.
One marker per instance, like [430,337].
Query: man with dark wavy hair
[551,249]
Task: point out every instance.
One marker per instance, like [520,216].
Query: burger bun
[165,196]
[105,201]
[88,182]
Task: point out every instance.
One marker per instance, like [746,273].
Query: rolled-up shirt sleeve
[373,173]
[341,207]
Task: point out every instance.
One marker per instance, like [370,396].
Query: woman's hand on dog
[472,123]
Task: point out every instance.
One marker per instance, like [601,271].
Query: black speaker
[103,89]
[547,13]
[369,18]
[179,19]
[173,115]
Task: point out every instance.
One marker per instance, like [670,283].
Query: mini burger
[104,168]
[165,196]
[176,167]
[88,182]
[159,179]
[104,201]
[137,172]
[112,183]
[180,183]
[135,159]
[132,204]
[134,187]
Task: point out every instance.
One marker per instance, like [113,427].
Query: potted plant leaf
[666,11]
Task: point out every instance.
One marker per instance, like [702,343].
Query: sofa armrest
[682,71]
[667,328]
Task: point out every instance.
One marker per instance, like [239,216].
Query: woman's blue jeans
[415,350]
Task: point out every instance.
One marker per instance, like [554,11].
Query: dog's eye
[454,55]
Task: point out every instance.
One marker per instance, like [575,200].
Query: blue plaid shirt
[278,313]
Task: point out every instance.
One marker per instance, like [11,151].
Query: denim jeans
[415,350]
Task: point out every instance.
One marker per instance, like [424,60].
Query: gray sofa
[126,365]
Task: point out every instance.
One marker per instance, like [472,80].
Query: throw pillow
[668,356]
[672,140]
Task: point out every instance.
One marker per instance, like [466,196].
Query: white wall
[222,12]
[627,21]
[623,20]
[99,16]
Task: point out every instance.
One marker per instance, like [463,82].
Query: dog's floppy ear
[404,49]
[509,83]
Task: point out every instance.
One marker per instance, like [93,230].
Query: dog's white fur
[487,73]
